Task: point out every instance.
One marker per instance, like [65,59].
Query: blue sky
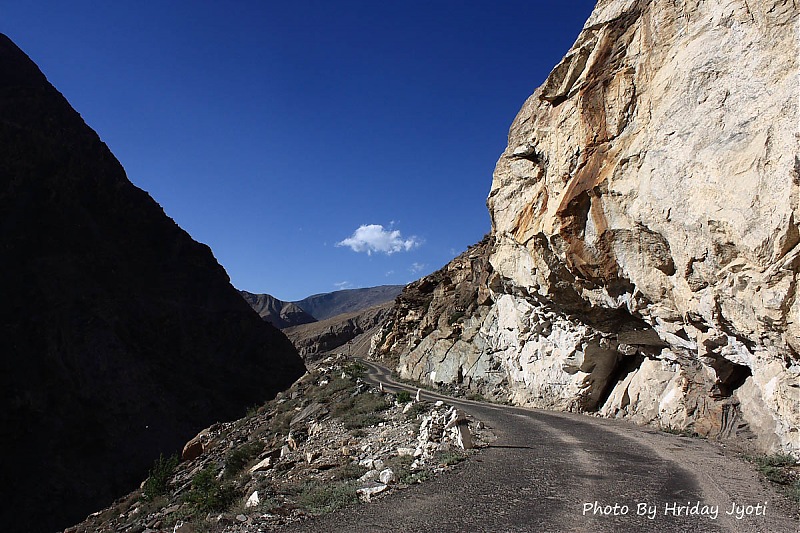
[313,145]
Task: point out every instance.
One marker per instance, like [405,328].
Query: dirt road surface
[562,472]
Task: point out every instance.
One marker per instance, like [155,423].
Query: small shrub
[679,432]
[403,396]
[348,472]
[780,469]
[449,458]
[361,411]
[323,498]
[476,397]
[326,393]
[237,459]
[793,491]
[208,494]
[415,477]
[157,482]
[401,466]
[776,468]
[359,421]
[416,410]
[282,420]
[355,370]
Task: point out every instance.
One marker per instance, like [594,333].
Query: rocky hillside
[277,312]
[353,330]
[120,336]
[645,225]
[435,317]
[330,441]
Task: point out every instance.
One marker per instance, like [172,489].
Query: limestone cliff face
[646,216]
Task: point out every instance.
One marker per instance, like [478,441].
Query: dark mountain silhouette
[120,336]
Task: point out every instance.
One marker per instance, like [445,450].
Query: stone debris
[253,500]
[368,491]
[299,443]
[387,476]
[265,464]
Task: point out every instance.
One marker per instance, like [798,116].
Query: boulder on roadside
[369,490]
[387,476]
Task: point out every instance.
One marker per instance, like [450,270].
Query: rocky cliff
[120,336]
[645,217]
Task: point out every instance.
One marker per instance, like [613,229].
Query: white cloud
[374,238]
[416,268]
[390,273]
[343,285]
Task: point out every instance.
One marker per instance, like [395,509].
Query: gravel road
[556,472]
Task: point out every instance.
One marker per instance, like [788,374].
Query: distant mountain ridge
[327,305]
[323,306]
[277,312]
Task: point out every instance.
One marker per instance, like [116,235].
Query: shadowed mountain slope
[120,336]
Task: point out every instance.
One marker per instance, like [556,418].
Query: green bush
[355,370]
[776,467]
[449,458]
[348,471]
[476,397]
[208,494]
[401,466]
[237,459]
[361,411]
[325,497]
[779,469]
[326,393]
[403,396]
[157,481]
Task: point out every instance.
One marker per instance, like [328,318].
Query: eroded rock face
[646,216]
[432,333]
[120,336]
